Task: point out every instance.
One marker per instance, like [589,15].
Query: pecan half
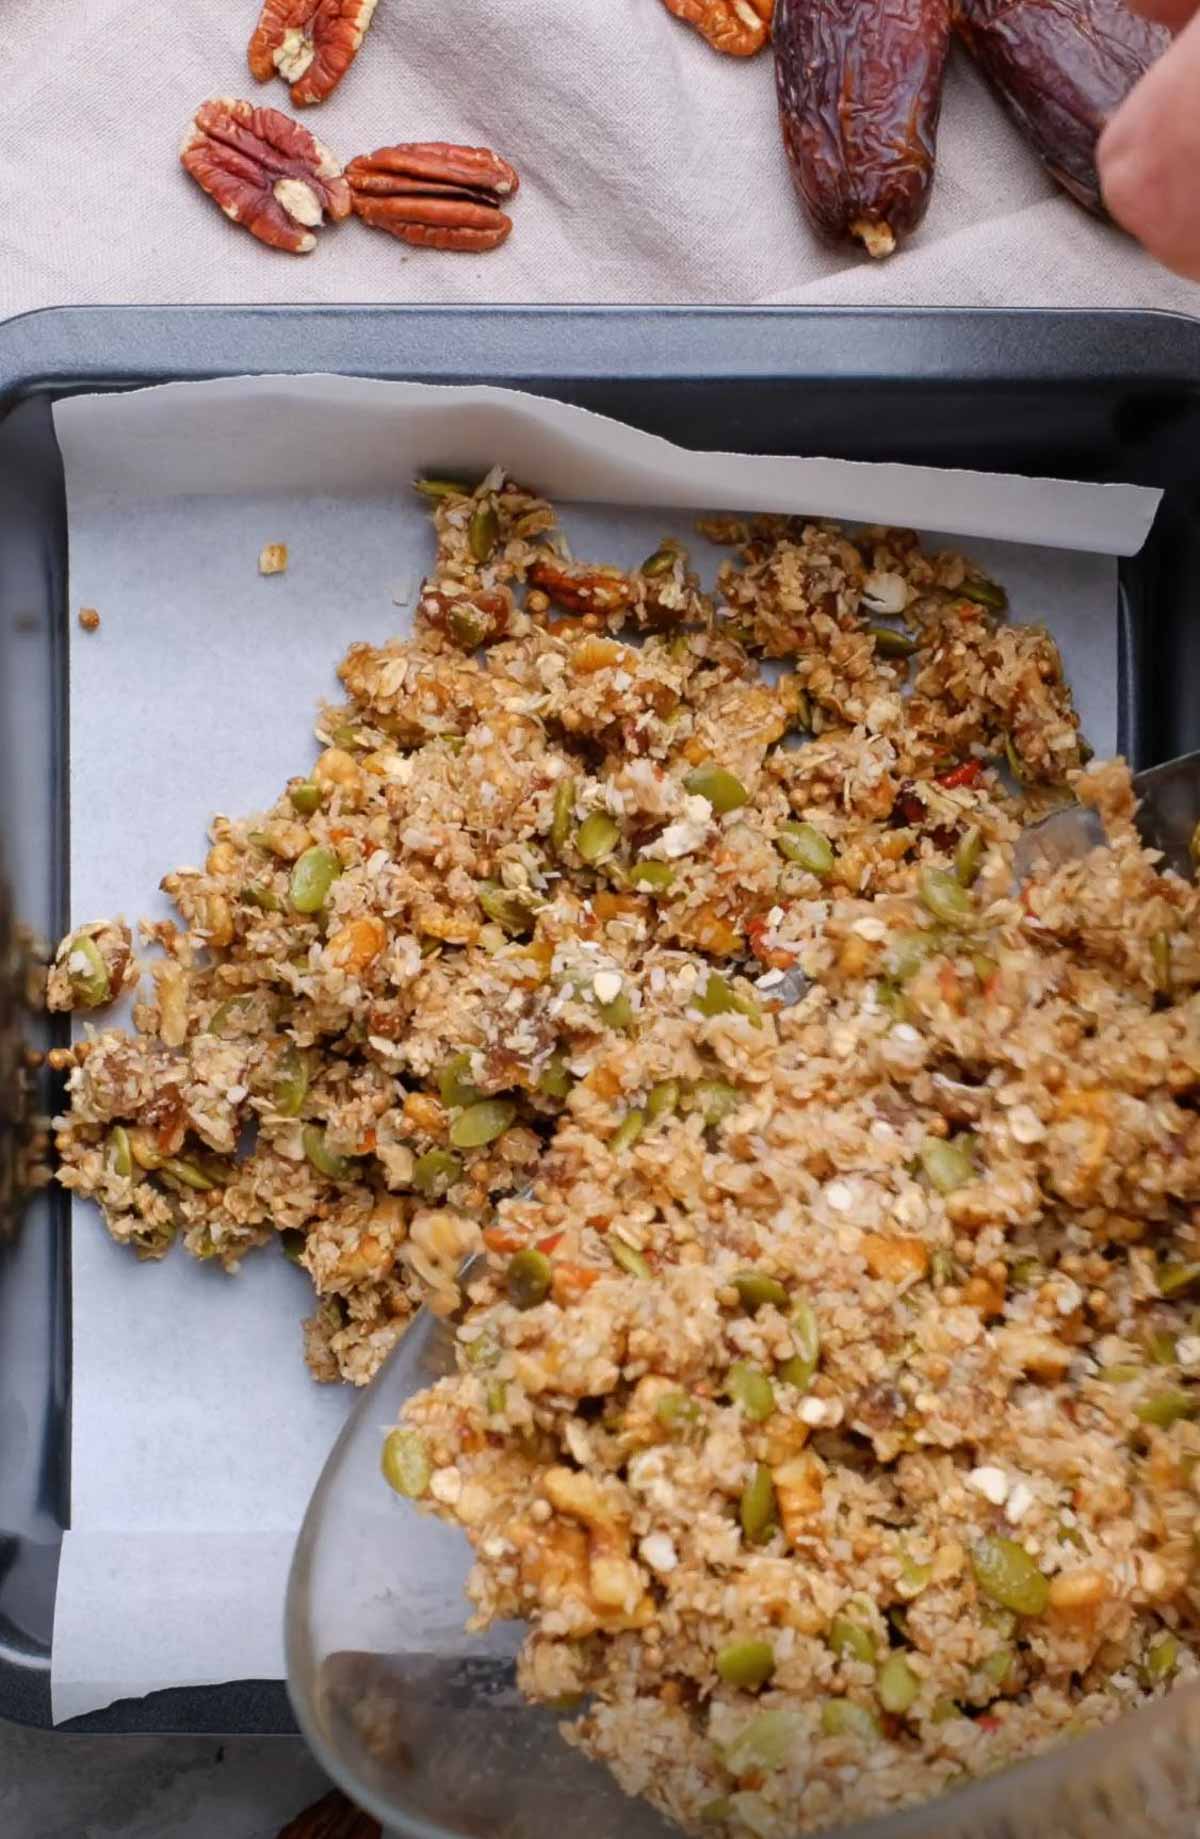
[310,43]
[265,171]
[434,195]
[737,27]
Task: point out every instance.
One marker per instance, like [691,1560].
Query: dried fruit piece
[435,195]
[737,27]
[310,43]
[860,91]
[265,171]
[1061,68]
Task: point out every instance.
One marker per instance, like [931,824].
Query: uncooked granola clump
[828,1378]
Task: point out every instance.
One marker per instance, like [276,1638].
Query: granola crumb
[273,559]
[89,619]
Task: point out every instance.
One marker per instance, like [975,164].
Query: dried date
[1061,68]
[310,43]
[266,172]
[860,88]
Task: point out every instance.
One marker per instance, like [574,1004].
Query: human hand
[1149,154]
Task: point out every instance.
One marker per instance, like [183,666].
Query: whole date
[860,89]
[1061,67]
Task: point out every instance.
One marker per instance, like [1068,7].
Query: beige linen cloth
[651,169]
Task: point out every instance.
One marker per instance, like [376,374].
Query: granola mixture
[828,1374]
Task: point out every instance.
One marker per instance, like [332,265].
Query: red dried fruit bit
[966,774]
[860,88]
[1061,68]
[311,44]
[266,172]
[737,27]
[433,194]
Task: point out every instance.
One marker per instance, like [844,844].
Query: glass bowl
[422,1725]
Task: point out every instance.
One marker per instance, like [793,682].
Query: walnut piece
[311,44]
[435,195]
[737,27]
[266,172]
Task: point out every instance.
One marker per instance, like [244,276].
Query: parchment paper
[196,1433]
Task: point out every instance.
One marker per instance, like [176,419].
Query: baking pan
[1105,396]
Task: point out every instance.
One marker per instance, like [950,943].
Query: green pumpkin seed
[944,896]
[944,1710]
[618,1013]
[758,1509]
[746,1664]
[663,1100]
[913,1579]
[890,643]
[1161,1347]
[405,1463]
[1162,1659]
[804,845]
[562,813]
[628,1258]
[806,1333]
[845,1718]
[483,531]
[441,488]
[719,997]
[723,791]
[755,1289]
[851,1641]
[512,911]
[715,1100]
[654,877]
[1007,1575]
[750,1388]
[265,899]
[597,837]
[482,1123]
[326,1161]
[435,1172]
[765,1743]
[985,594]
[555,1079]
[660,563]
[469,626]
[997,1668]
[897,1685]
[291,1243]
[305,797]
[188,1174]
[910,950]
[676,1411]
[947,1164]
[455,1084]
[627,1132]
[90,979]
[1166,1408]
[291,1082]
[1174,1278]
[496,1397]
[312,877]
[1160,962]
[528,1278]
[968,857]
[120,1156]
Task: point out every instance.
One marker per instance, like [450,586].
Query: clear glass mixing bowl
[423,1726]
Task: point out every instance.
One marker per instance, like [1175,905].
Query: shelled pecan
[311,44]
[1061,68]
[434,195]
[265,171]
[860,89]
[737,27]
